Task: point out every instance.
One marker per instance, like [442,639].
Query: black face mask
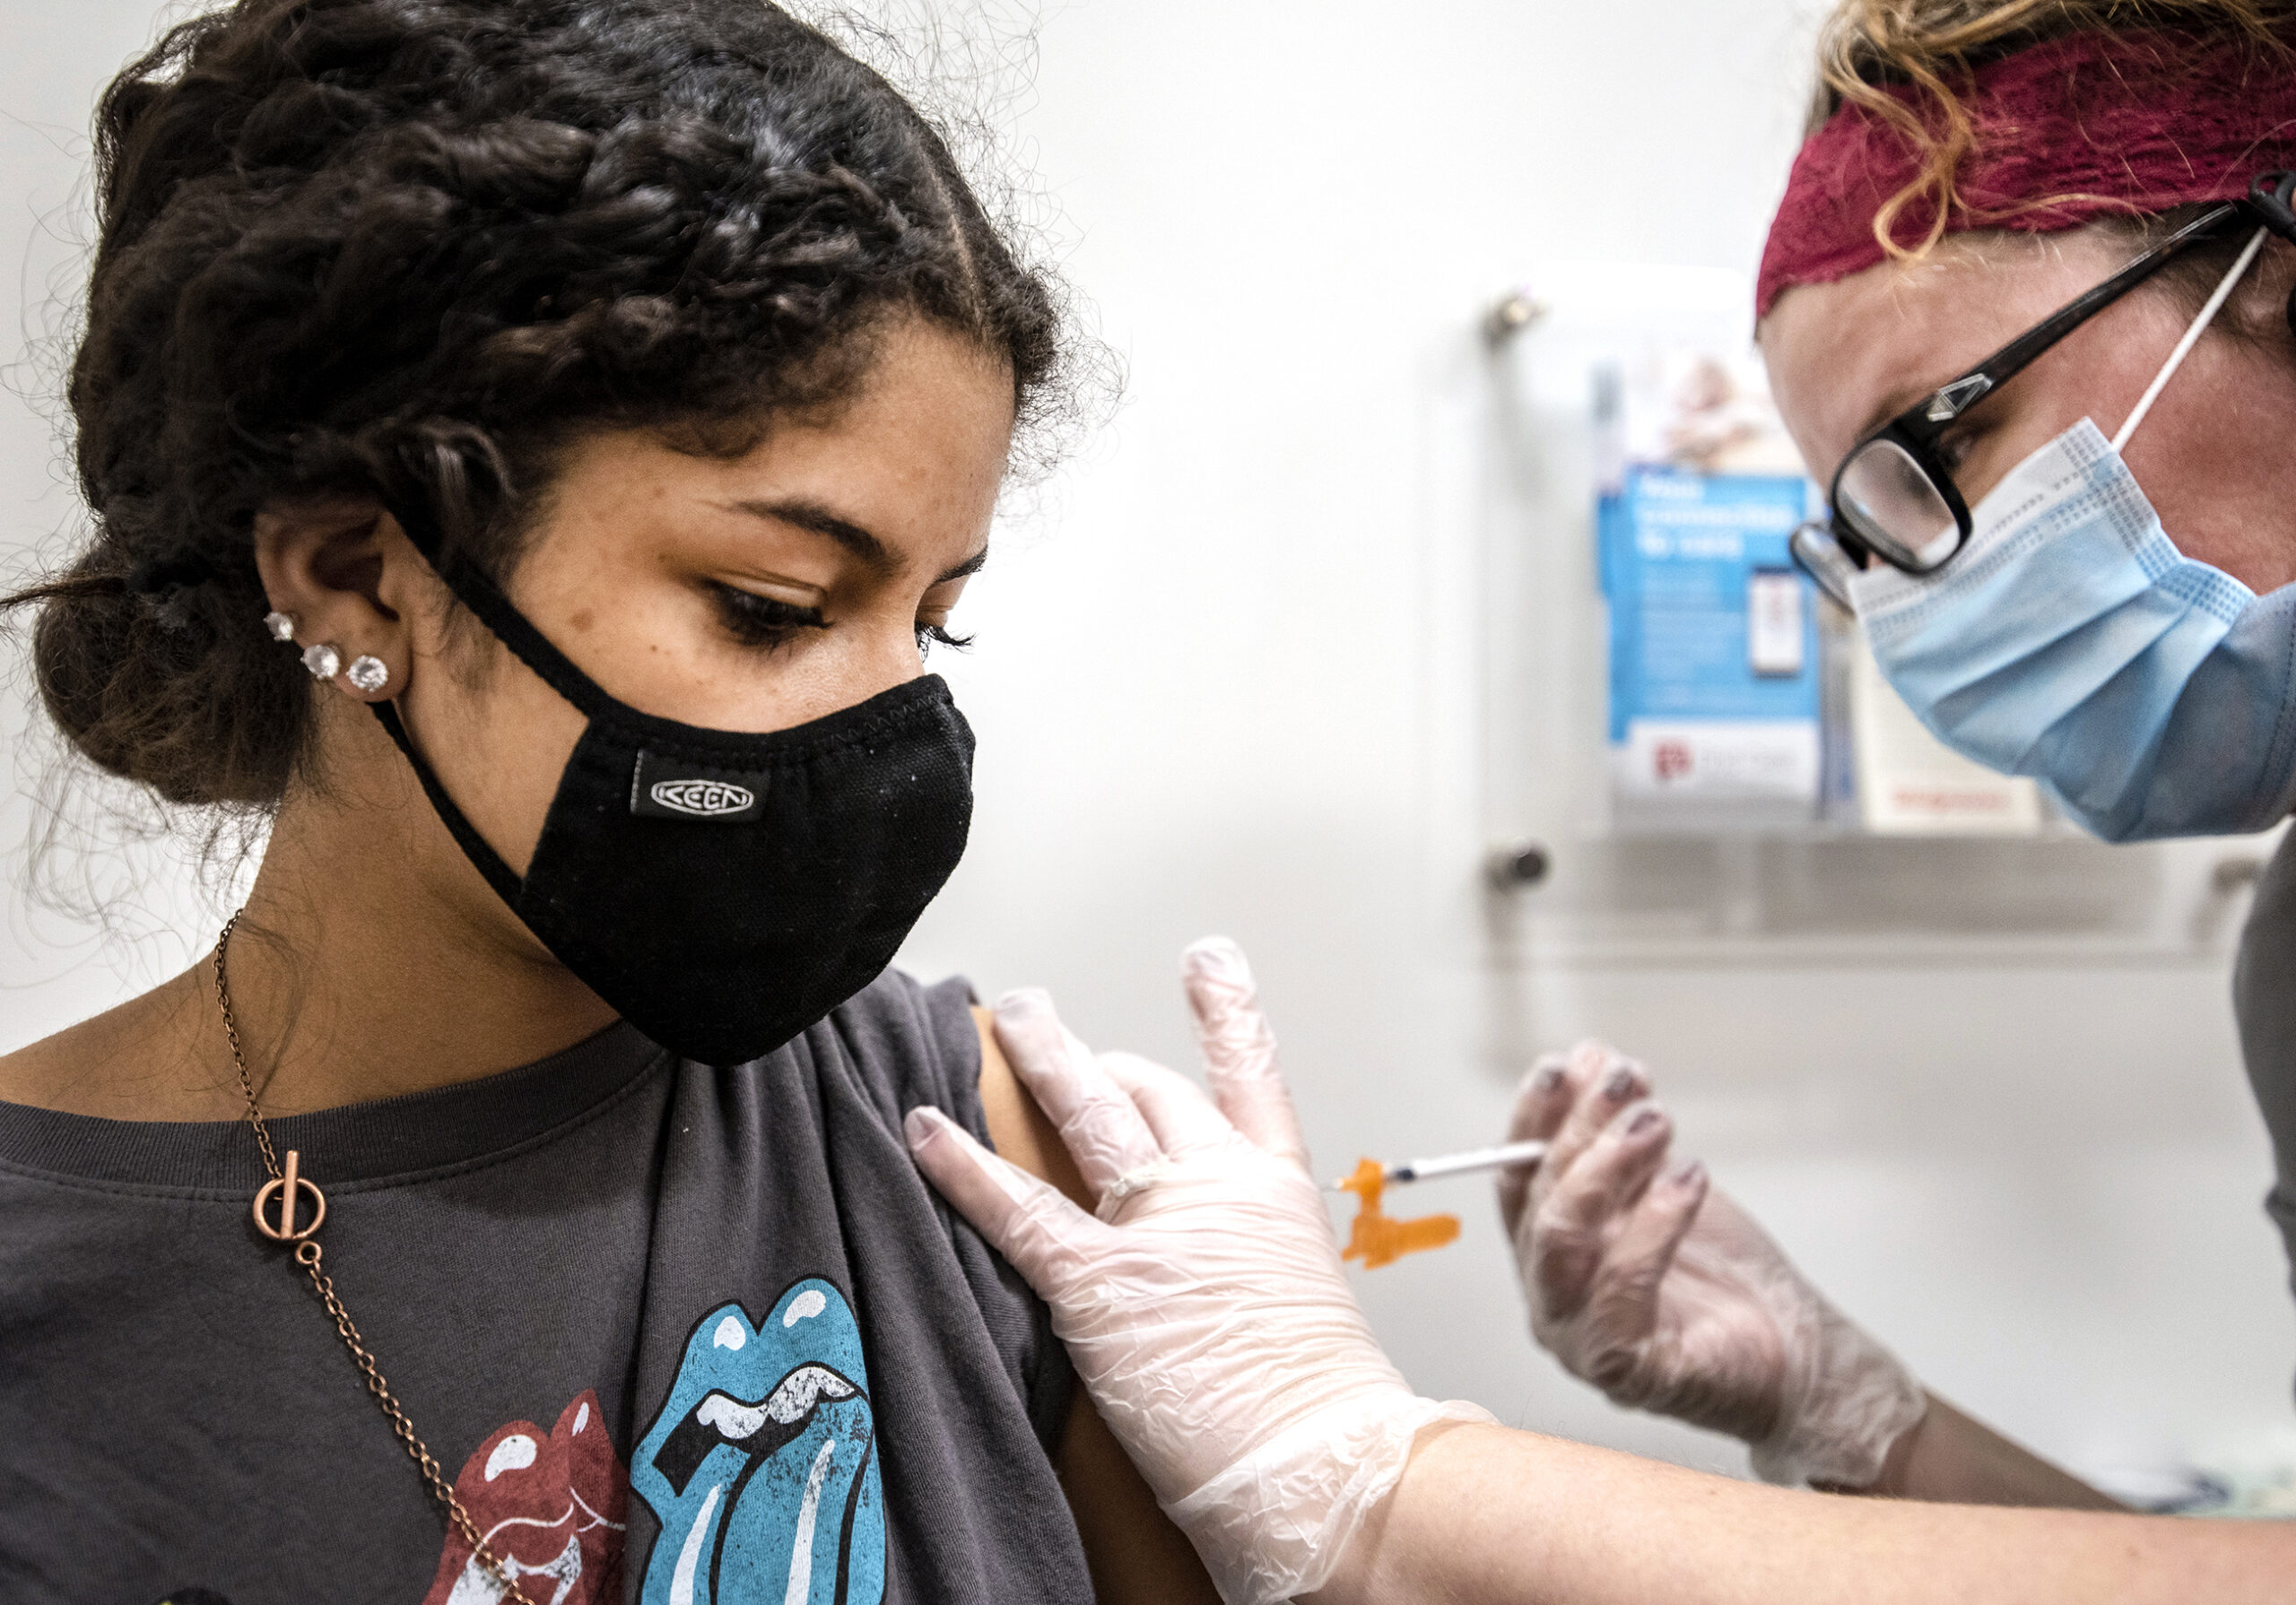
[721,890]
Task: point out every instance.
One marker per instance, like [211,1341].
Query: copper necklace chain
[288,1186]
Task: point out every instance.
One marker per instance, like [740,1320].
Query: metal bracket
[1519,311]
[1516,867]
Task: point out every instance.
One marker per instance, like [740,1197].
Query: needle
[1474,1158]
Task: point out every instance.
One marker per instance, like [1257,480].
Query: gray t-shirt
[2263,999]
[680,1336]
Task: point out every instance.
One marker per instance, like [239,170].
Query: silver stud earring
[282,626]
[367,675]
[322,660]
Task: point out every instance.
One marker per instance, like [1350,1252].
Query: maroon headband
[2122,124]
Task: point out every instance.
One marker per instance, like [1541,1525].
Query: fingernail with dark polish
[1642,1123]
[1547,1080]
[1685,1173]
[1619,1086]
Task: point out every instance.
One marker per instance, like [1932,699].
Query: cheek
[498,741]
[2210,459]
[2199,494]
[2015,437]
[637,624]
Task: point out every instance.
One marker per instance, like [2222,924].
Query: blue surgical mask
[2070,640]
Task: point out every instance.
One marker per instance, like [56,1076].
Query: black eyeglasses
[1893,498]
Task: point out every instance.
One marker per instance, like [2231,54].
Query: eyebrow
[1894,403]
[811,515]
[971,564]
[859,541]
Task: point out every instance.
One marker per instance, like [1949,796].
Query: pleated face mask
[2071,641]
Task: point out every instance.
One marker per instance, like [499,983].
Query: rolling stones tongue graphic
[762,1465]
[552,1507]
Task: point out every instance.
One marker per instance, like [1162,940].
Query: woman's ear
[339,576]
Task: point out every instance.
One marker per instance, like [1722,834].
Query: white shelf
[1634,893]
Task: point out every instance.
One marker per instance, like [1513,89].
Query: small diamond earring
[367,675]
[322,660]
[282,626]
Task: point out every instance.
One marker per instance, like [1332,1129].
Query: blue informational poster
[1714,660]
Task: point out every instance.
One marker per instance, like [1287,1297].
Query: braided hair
[408,249]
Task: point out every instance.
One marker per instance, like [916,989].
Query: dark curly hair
[406,249]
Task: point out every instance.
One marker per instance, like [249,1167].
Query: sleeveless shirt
[677,1335]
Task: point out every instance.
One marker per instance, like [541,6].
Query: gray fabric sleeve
[2264,1000]
[2233,732]
[1018,1320]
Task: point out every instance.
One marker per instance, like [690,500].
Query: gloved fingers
[1178,1112]
[1238,1049]
[1098,1122]
[1572,1231]
[1601,1082]
[1542,1099]
[1025,1220]
[1541,1102]
[1621,1304]
[1610,1175]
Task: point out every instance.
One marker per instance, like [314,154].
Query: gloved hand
[1658,1290]
[1205,1308]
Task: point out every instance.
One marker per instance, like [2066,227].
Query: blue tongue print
[762,1464]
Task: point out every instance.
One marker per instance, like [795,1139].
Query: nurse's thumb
[1046,1238]
[1238,1049]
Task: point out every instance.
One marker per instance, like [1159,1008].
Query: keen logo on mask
[662,790]
[823,844]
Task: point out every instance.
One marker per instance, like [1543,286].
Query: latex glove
[1654,1286]
[1205,1307]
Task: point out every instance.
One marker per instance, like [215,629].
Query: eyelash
[771,623]
[929,636]
[766,622]
[1955,448]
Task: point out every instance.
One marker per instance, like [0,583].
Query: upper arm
[1134,1552]
[1017,1127]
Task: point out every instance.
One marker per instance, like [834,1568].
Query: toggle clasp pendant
[284,1187]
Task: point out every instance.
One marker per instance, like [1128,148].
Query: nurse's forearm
[1484,1515]
[1951,1458]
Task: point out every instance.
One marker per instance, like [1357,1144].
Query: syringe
[1474,1158]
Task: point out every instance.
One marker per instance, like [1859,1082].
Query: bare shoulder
[1016,1127]
[139,1060]
[1136,1555]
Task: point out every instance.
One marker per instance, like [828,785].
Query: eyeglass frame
[1917,431]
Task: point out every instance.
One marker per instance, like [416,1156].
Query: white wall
[87,927]
[1236,680]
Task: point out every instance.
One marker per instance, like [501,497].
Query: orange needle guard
[1379,1239]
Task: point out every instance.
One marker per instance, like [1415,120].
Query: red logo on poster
[1670,759]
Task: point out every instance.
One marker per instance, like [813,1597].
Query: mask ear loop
[2191,337]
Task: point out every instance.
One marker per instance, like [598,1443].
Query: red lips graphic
[552,1507]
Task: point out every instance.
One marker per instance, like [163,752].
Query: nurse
[2011,229]
[2033,325]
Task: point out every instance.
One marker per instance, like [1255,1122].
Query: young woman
[531,445]
[2015,223]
